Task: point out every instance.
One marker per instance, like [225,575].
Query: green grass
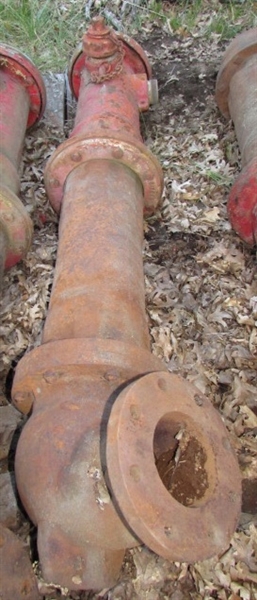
[208,18]
[219,179]
[43,29]
[49,30]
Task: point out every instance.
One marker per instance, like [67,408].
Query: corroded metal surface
[107,125]
[149,417]
[17,580]
[70,468]
[22,100]
[236,96]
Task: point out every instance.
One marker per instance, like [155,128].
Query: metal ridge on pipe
[97,464]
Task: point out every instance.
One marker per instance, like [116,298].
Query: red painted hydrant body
[22,102]
[236,96]
[94,459]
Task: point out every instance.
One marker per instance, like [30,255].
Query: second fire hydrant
[236,96]
[22,103]
[117,450]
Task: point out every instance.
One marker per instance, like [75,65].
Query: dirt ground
[201,299]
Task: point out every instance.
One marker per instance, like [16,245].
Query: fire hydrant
[97,465]
[22,102]
[236,96]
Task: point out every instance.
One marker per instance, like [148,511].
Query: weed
[49,30]
[207,18]
[46,31]
[219,178]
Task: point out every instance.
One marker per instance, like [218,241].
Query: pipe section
[97,463]
[236,96]
[22,102]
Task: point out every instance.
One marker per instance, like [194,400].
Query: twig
[88,9]
[113,20]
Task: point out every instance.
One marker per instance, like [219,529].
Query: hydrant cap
[100,41]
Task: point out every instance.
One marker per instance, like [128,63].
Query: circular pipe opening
[181,459]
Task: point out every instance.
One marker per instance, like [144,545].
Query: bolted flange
[166,449]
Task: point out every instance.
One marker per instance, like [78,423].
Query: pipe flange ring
[18,65]
[171,469]
[238,52]
[81,149]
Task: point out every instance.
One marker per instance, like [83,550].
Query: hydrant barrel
[98,287]
[114,109]
[236,96]
[13,123]
[243,108]
[22,102]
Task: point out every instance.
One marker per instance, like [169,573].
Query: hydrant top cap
[134,56]
[98,26]
[100,41]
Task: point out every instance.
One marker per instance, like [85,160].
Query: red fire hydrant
[22,102]
[236,96]
[98,466]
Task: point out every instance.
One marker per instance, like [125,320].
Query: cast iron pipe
[22,102]
[93,461]
[236,96]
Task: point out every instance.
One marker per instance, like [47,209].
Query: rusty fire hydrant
[22,102]
[97,464]
[236,96]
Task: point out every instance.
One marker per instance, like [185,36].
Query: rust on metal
[166,431]
[99,449]
[236,96]
[22,99]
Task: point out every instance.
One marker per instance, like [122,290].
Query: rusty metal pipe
[22,101]
[236,96]
[93,462]
[104,206]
